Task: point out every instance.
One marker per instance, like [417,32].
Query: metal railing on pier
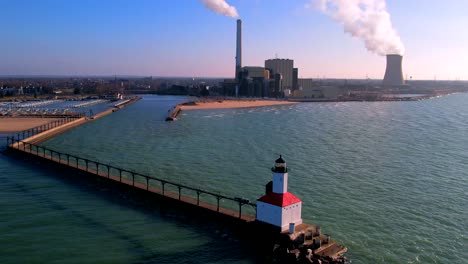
[129,177]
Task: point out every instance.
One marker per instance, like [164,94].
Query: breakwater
[174,113]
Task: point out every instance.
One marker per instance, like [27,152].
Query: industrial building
[252,81]
[257,81]
[283,67]
[393,77]
[278,78]
[295,83]
[306,83]
[317,92]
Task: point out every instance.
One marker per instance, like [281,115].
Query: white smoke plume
[368,20]
[221,7]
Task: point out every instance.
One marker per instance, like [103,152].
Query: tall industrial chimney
[238,49]
[393,73]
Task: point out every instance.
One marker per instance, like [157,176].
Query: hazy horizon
[111,76]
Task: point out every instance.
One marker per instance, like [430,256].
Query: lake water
[389,180]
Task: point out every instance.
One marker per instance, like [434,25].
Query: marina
[45,108]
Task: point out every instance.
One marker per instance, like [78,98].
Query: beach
[15,124]
[199,105]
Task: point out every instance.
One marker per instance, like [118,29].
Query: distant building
[9,91]
[253,81]
[295,84]
[305,83]
[229,87]
[317,92]
[274,86]
[283,67]
[255,72]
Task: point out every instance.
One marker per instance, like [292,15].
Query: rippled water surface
[387,179]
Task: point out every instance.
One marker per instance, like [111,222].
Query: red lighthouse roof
[279,199]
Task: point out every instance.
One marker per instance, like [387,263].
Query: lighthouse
[278,207]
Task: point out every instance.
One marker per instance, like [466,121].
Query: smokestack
[393,73]
[238,49]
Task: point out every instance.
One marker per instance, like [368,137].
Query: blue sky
[183,38]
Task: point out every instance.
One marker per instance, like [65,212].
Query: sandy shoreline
[221,104]
[14,124]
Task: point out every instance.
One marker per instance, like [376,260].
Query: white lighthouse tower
[279,207]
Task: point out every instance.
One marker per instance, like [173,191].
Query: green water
[387,179]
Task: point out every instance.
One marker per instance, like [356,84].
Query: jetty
[174,113]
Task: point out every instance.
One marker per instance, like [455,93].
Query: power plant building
[253,81]
[394,72]
[283,67]
[277,79]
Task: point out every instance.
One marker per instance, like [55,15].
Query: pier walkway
[165,188]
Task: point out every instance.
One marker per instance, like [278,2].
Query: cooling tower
[238,49]
[393,73]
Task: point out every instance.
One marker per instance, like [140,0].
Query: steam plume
[220,7]
[367,20]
